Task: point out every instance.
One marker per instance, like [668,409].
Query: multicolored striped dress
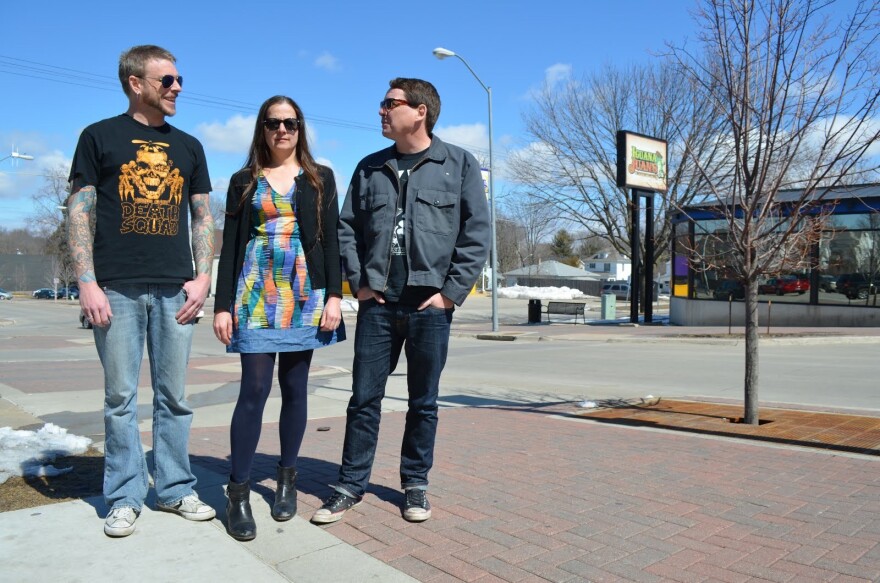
[277,308]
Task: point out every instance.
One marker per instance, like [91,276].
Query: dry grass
[83,481]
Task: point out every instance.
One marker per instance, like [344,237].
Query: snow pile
[521,292]
[29,453]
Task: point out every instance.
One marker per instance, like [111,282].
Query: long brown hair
[260,156]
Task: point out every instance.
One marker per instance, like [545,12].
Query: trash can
[609,307]
[534,311]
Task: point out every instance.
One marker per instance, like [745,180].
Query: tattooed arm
[203,255]
[92,300]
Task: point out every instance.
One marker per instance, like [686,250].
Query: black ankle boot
[239,520]
[285,494]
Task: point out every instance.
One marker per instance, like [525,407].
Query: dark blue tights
[247,419]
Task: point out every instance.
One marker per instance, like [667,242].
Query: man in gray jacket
[414,235]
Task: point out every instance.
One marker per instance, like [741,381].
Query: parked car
[828,283]
[620,290]
[858,285]
[785,284]
[71,293]
[729,289]
[44,293]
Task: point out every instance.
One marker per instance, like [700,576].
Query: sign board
[485,173]
[641,162]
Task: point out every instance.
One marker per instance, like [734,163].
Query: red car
[785,284]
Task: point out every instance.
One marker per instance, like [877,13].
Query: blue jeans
[382,330]
[145,313]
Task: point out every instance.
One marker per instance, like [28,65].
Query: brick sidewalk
[525,496]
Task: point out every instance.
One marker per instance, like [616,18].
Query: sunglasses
[291,124]
[390,103]
[167,80]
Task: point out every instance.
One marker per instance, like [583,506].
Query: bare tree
[572,163]
[19,242]
[534,219]
[50,201]
[797,85]
[218,211]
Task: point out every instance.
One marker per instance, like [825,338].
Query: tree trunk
[750,415]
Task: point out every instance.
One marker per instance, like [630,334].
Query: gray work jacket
[447,221]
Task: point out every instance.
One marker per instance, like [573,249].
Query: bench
[566,309]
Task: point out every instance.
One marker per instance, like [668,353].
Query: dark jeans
[382,330]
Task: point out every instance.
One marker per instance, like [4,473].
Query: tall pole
[442,53]
[634,253]
[494,250]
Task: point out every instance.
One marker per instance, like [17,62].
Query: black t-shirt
[396,289]
[144,177]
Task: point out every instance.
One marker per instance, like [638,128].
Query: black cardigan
[322,257]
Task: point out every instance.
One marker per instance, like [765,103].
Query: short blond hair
[134,62]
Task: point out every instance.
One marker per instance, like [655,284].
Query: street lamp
[15,154]
[441,54]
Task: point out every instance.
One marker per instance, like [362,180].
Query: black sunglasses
[291,124]
[167,80]
[390,103]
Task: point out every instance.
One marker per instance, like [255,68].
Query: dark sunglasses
[291,124]
[167,80]
[390,103]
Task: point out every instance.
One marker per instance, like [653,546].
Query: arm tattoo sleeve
[80,211]
[202,233]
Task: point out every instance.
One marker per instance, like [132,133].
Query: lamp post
[15,154]
[441,54]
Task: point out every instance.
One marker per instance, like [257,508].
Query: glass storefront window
[848,270]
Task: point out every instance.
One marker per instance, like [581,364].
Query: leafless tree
[218,211]
[20,242]
[572,162]
[534,219]
[50,201]
[798,87]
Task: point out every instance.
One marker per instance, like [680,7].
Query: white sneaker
[120,521]
[190,507]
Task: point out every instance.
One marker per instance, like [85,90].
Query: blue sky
[58,64]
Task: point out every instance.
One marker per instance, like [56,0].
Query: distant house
[554,274]
[609,265]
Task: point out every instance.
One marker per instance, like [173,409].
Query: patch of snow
[30,453]
[521,292]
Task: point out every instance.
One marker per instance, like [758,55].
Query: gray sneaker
[334,508]
[120,521]
[417,507]
[190,507]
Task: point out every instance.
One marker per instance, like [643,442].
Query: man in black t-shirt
[413,234]
[136,179]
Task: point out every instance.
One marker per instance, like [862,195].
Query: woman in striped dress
[279,287]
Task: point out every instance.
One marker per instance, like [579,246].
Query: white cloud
[473,137]
[53,159]
[557,73]
[327,61]
[234,135]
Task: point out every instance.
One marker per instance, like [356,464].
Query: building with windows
[841,287]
